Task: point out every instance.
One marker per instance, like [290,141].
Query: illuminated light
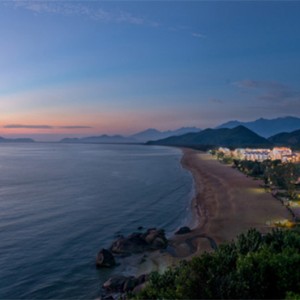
[294,203]
[256,191]
[282,223]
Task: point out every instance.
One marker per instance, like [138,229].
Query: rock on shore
[123,284]
[105,259]
[152,239]
[183,230]
[118,286]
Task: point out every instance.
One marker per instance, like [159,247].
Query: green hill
[239,136]
[291,139]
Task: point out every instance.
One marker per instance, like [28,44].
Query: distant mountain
[291,139]
[239,136]
[146,135]
[19,140]
[152,134]
[183,130]
[265,127]
[102,139]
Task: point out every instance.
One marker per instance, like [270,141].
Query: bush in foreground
[253,267]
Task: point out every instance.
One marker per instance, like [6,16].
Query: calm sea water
[61,203]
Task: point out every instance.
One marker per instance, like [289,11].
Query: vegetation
[255,266]
[282,175]
[291,139]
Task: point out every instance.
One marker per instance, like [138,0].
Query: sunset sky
[76,68]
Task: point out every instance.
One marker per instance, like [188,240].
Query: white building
[257,154]
[280,152]
[239,153]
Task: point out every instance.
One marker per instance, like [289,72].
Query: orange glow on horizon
[86,121]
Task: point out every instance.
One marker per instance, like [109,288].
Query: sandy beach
[226,204]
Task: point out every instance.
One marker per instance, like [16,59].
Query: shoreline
[226,203]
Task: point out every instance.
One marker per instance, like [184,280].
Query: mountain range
[267,127]
[154,134]
[280,131]
[263,127]
[140,137]
[239,136]
[105,139]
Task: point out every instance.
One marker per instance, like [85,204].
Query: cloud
[188,30]
[259,84]
[198,35]
[278,95]
[67,8]
[268,91]
[74,8]
[74,127]
[216,101]
[270,98]
[13,126]
[16,126]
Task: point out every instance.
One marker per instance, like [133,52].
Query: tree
[253,267]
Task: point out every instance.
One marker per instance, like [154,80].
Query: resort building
[225,151]
[281,153]
[239,153]
[290,158]
[257,154]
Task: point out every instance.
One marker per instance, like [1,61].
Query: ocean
[61,203]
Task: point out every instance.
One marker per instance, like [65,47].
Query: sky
[79,68]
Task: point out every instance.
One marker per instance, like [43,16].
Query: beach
[226,203]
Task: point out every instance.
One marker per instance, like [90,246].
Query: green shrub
[253,267]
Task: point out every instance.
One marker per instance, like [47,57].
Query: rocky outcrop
[183,230]
[152,239]
[105,259]
[115,284]
[118,286]
[123,284]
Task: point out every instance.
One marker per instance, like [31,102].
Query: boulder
[139,288]
[134,243]
[118,286]
[156,239]
[183,230]
[150,235]
[152,239]
[159,243]
[115,284]
[130,284]
[105,259]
